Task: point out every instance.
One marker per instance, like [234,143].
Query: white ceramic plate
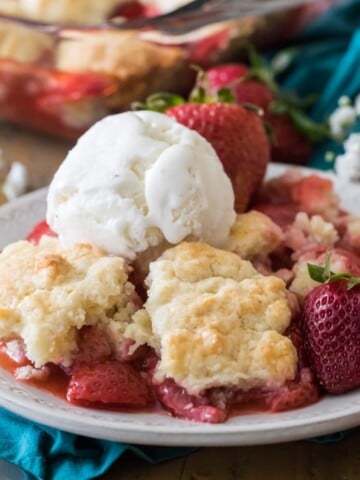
[328,415]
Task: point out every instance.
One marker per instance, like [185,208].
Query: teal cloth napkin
[328,64]
[45,453]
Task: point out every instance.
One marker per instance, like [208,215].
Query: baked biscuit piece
[254,235]
[215,321]
[47,293]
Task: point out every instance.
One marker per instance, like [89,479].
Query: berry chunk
[109,382]
[181,404]
[40,229]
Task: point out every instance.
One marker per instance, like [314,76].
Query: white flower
[341,120]
[16,181]
[347,165]
[357,105]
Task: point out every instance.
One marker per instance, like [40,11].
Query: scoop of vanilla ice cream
[136,179]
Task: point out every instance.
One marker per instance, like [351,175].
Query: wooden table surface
[303,460]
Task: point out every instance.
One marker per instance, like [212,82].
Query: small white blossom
[357,105]
[347,165]
[341,120]
[282,60]
[344,100]
[16,181]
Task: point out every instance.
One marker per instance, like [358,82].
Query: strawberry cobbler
[137,299]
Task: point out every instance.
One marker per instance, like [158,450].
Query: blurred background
[65,64]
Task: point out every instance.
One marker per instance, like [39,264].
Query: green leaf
[255,59]
[225,95]
[278,107]
[327,268]
[139,106]
[293,100]
[312,130]
[198,94]
[263,75]
[316,272]
[159,102]
[323,274]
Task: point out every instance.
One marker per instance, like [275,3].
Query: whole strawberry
[236,133]
[332,330]
[238,137]
[292,130]
[245,90]
[289,145]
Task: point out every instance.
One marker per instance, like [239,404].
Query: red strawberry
[315,195]
[289,144]
[183,405]
[109,382]
[245,90]
[130,10]
[296,394]
[297,193]
[332,329]
[238,137]
[40,229]
[93,345]
[282,215]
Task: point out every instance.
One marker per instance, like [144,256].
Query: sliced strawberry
[40,229]
[181,404]
[109,382]
[296,394]
[93,344]
[314,195]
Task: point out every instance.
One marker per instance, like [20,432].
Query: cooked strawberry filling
[315,327]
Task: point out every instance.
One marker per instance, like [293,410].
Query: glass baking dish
[61,79]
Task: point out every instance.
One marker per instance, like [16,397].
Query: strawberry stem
[286,103]
[323,274]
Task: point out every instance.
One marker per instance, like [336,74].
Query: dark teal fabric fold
[327,63]
[45,453]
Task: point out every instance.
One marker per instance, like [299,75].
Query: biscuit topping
[48,293]
[216,321]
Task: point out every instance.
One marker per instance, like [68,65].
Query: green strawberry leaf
[316,272]
[255,59]
[315,132]
[323,274]
[159,102]
[225,95]
[285,102]
[198,94]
